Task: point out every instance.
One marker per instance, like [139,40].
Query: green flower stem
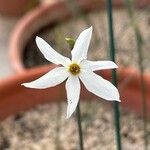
[79,126]
[114,76]
[139,41]
[58,126]
[71,43]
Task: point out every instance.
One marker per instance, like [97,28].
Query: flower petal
[99,86]
[73,93]
[81,46]
[50,79]
[50,54]
[98,65]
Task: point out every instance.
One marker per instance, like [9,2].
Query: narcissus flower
[75,70]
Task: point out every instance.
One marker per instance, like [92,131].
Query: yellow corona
[74,69]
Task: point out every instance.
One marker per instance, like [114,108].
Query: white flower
[79,68]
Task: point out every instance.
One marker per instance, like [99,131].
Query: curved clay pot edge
[17,34]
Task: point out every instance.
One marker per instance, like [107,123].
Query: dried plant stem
[58,122]
[79,126]
[139,44]
[114,76]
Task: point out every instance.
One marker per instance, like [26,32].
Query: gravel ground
[45,128]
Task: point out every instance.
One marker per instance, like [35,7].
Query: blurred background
[54,20]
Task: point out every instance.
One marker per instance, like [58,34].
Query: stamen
[74,69]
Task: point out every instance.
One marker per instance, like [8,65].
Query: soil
[126,51]
[45,128]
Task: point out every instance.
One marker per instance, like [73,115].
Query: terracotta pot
[15,98]
[16,7]
[129,80]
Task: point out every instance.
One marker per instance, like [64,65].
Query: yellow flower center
[74,69]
